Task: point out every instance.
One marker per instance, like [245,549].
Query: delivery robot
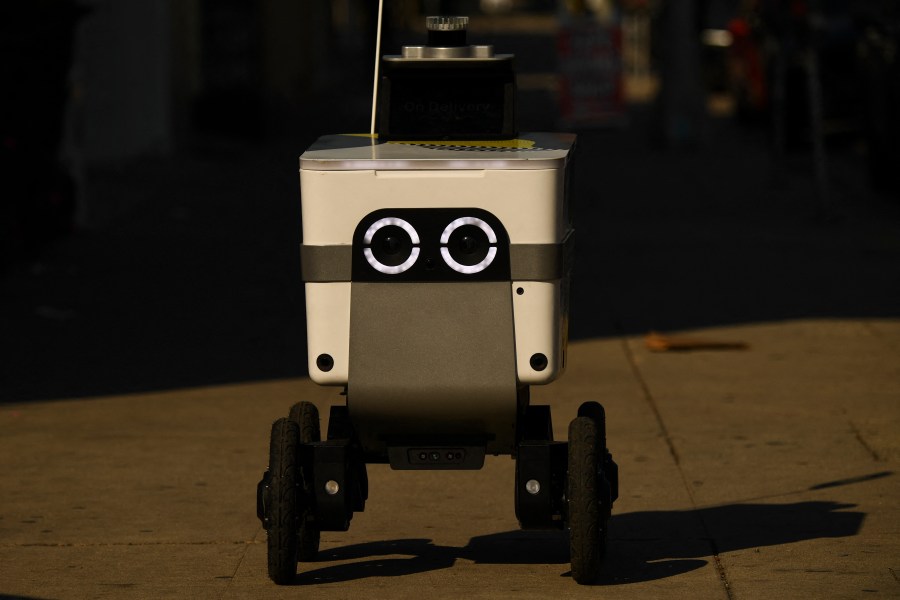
[436,258]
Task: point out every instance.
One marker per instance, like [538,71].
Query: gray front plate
[432,363]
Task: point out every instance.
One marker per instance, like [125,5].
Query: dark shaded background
[151,215]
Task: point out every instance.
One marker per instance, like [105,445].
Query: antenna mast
[377,61]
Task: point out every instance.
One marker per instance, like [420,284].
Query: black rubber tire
[596,411]
[283,501]
[610,471]
[306,416]
[587,528]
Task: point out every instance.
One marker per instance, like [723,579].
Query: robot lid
[362,152]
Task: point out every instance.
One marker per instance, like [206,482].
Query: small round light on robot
[538,361]
[332,487]
[325,362]
[533,487]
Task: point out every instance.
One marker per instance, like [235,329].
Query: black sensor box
[447,90]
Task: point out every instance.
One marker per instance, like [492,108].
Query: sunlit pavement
[763,472]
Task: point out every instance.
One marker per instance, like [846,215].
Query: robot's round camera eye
[468,245]
[391,245]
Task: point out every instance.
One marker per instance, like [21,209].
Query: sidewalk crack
[651,402]
[240,562]
[862,441]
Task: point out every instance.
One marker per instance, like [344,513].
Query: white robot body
[521,182]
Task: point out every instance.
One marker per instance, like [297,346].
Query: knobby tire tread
[583,507]
[306,416]
[282,536]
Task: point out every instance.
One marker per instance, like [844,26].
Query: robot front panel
[435,228]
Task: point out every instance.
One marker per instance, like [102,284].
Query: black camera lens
[468,245]
[391,245]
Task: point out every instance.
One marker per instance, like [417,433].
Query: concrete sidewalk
[767,472]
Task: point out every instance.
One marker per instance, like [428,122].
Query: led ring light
[468,269]
[370,256]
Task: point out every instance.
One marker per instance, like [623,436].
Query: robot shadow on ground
[644,546]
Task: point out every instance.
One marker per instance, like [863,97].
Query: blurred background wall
[89,83]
